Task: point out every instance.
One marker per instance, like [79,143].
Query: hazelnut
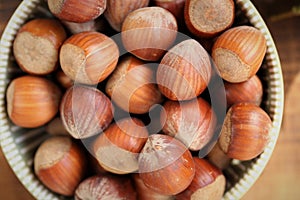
[36,46]
[245,131]
[88,57]
[250,91]
[166,166]
[208,18]
[60,164]
[238,53]
[116,11]
[218,158]
[77,11]
[132,86]
[65,81]
[94,167]
[145,193]
[32,101]
[99,25]
[117,148]
[184,72]
[208,183]
[85,111]
[75,28]
[106,187]
[148,32]
[192,122]
[176,7]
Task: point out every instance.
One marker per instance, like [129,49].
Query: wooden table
[281,178]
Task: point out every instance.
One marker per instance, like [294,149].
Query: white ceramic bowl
[19,144]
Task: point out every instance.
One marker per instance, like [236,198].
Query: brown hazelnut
[148,32]
[250,91]
[208,183]
[192,122]
[85,111]
[77,11]
[32,101]
[208,18]
[36,46]
[65,81]
[176,7]
[132,86]
[145,193]
[75,28]
[238,53]
[88,57]
[94,167]
[106,186]
[218,158]
[60,164]
[99,25]
[166,166]
[117,148]
[184,72]
[245,131]
[116,11]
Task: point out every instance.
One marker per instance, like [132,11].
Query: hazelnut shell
[148,32]
[77,11]
[106,186]
[192,122]
[88,57]
[60,164]
[245,131]
[238,53]
[208,18]
[116,11]
[117,148]
[166,165]
[208,182]
[184,72]
[36,46]
[85,111]
[250,91]
[32,101]
[132,86]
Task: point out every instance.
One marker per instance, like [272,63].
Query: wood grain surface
[281,178]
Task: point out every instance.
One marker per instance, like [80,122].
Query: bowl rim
[21,167]
[272,58]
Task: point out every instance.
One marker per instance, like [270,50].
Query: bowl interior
[19,144]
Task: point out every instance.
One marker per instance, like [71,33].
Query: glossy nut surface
[148,32]
[238,53]
[116,11]
[250,91]
[192,122]
[117,149]
[208,183]
[245,132]
[60,164]
[88,57]
[32,101]
[85,111]
[77,11]
[132,86]
[166,165]
[185,71]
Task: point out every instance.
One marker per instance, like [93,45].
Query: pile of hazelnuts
[93,92]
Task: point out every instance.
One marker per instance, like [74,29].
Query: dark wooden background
[281,178]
